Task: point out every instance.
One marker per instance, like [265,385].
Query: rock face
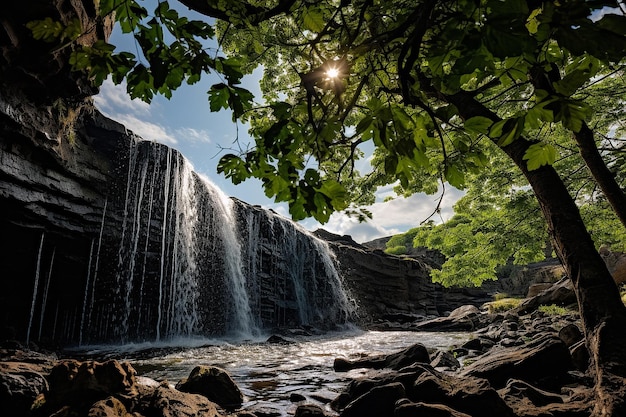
[116,239]
[395,288]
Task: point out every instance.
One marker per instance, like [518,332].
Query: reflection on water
[268,374]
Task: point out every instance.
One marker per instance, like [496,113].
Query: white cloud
[114,98]
[193,135]
[391,217]
[147,130]
[135,114]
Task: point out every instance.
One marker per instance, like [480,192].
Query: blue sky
[185,123]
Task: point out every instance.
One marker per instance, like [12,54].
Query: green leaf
[454,176]
[336,193]
[478,124]
[313,19]
[234,168]
[540,154]
[219,94]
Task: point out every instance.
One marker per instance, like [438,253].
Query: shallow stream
[269,373]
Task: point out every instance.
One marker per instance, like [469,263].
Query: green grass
[554,310]
[502,305]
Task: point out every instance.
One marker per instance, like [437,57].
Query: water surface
[269,374]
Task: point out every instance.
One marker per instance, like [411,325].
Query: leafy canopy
[395,60]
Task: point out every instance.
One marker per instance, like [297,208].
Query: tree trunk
[603,314]
[600,172]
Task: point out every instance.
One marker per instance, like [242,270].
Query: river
[269,374]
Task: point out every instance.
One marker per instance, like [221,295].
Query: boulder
[215,384]
[537,396]
[411,409]
[80,384]
[561,293]
[570,334]
[416,353]
[470,395]
[309,410]
[464,318]
[167,402]
[109,407]
[377,402]
[445,359]
[20,384]
[544,361]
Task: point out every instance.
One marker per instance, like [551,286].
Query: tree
[418,80]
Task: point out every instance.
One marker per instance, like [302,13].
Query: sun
[332,73]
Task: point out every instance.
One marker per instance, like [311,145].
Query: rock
[580,355]
[275,339]
[309,410]
[377,402]
[416,353]
[215,384]
[570,334]
[79,384]
[543,361]
[561,293]
[426,410]
[535,289]
[470,395]
[109,407]
[464,318]
[296,398]
[530,401]
[167,402]
[538,397]
[445,359]
[20,384]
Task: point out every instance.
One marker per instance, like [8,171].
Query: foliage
[543,68]
[554,310]
[503,305]
[396,250]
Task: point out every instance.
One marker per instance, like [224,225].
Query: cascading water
[190,262]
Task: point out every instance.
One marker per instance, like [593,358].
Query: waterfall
[243,324]
[191,262]
[32,305]
[45,293]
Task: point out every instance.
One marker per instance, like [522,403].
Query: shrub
[396,250]
[503,304]
[554,310]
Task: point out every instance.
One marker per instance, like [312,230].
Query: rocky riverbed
[528,364]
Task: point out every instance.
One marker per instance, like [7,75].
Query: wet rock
[537,396]
[109,407]
[445,359]
[426,410]
[20,384]
[561,293]
[473,396]
[77,383]
[167,402]
[296,398]
[464,318]
[570,335]
[377,402]
[275,339]
[580,355]
[416,353]
[543,361]
[215,384]
[309,410]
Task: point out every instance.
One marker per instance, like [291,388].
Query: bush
[554,310]
[503,304]
[396,250]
